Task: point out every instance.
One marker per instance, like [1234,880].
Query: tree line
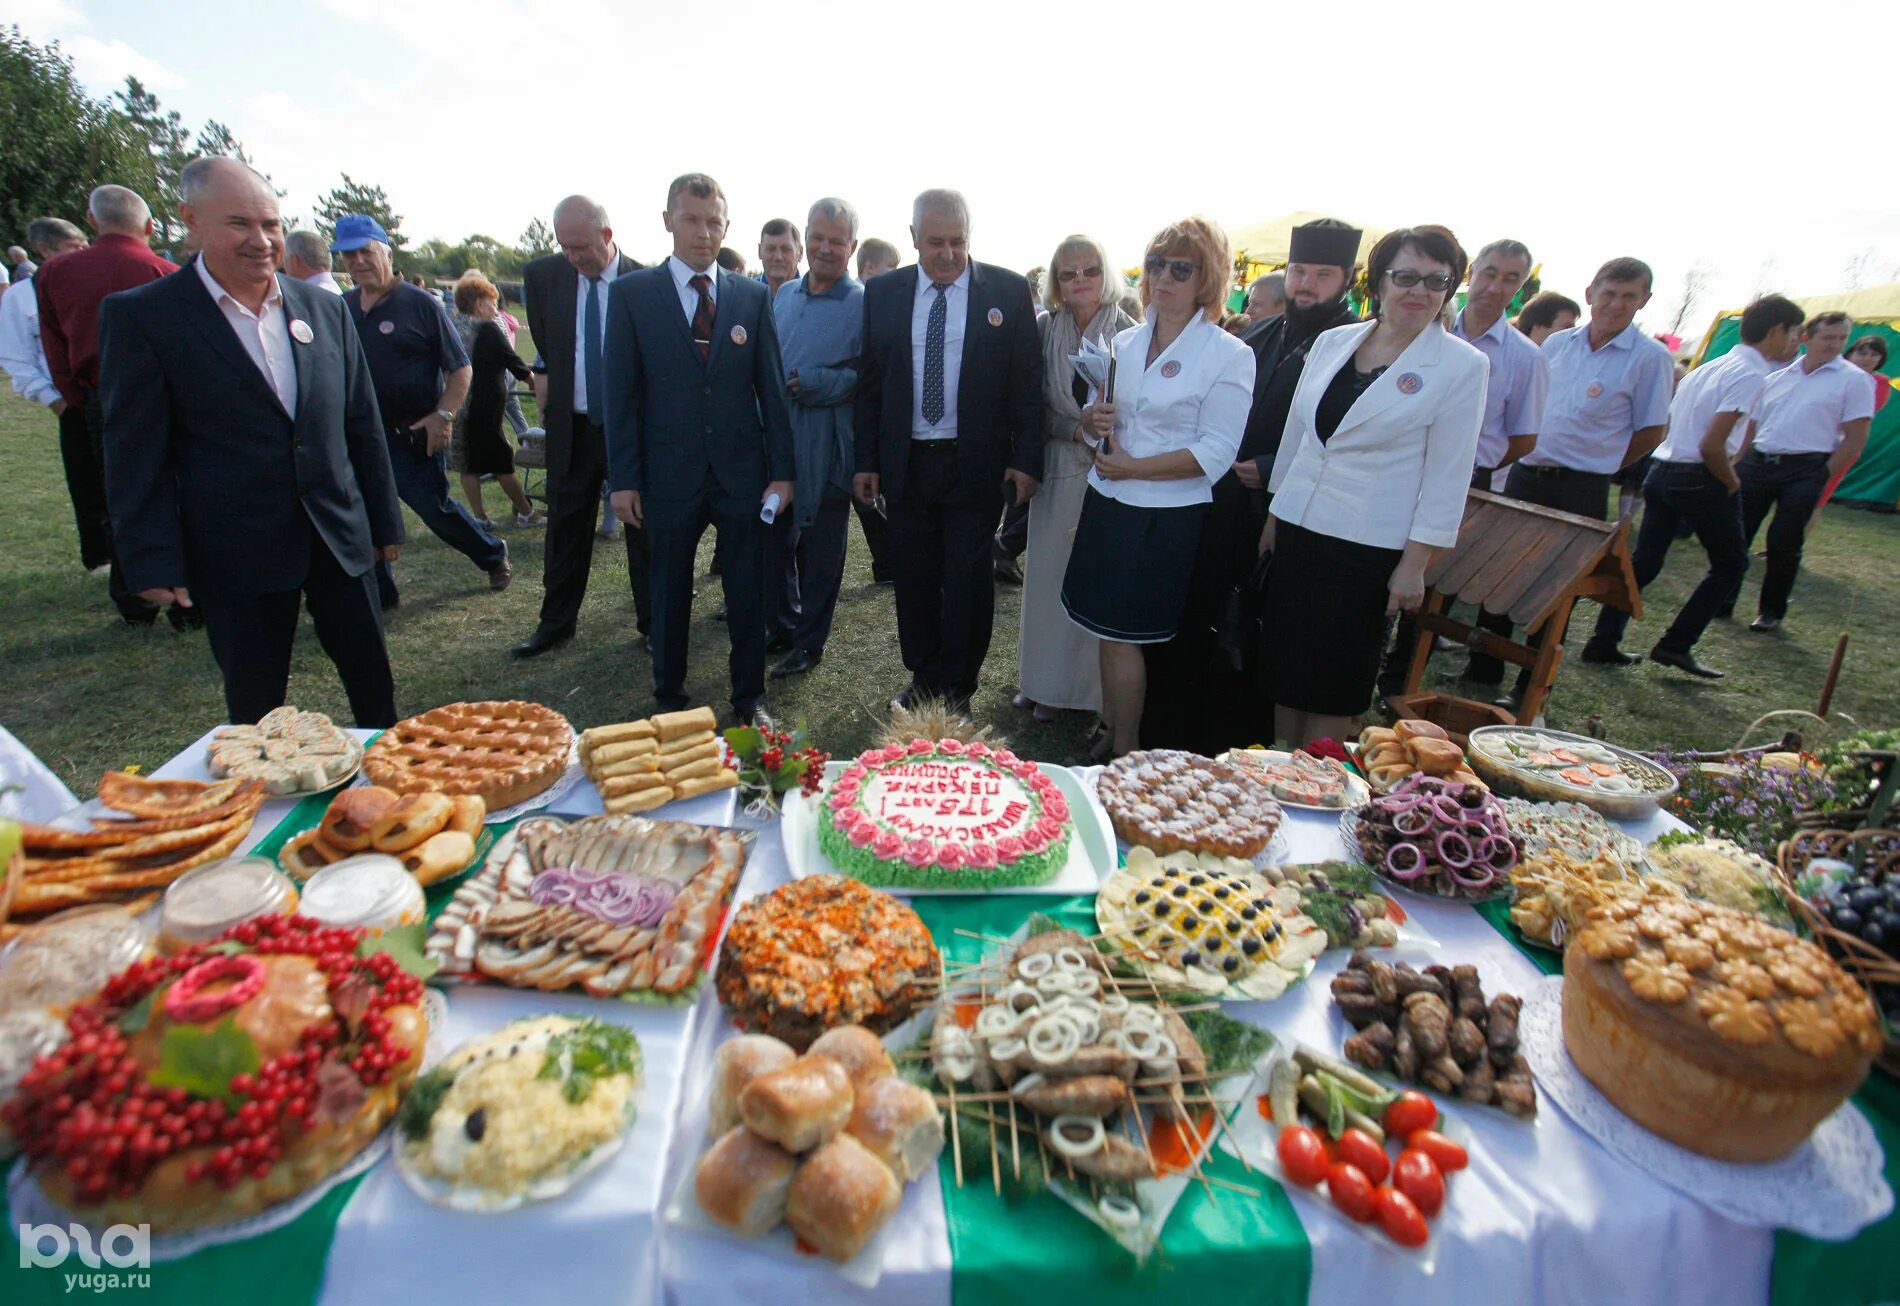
[61,142]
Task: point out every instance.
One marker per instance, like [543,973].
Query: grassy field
[88,694]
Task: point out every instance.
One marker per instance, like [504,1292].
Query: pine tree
[359,197]
[169,145]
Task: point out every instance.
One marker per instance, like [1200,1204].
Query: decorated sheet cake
[945,814]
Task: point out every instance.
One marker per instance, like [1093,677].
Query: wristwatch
[446,415]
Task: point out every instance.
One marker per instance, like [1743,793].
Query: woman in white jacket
[1168,432]
[1369,481]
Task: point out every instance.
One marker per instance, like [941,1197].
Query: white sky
[1716,132]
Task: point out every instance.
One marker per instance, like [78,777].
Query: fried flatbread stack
[640,765]
[174,826]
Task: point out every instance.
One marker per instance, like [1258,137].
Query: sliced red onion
[1476,831]
[1413,821]
[1395,802]
[1411,853]
[1447,810]
[1454,850]
[1499,853]
[1472,877]
[617,897]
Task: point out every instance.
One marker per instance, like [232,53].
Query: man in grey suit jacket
[559,289]
[697,434]
[246,470]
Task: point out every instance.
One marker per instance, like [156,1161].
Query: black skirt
[1129,570]
[1324,624]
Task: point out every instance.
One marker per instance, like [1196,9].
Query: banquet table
[1543,1214]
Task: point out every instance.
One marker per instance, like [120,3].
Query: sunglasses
[1079,274]
[1181,269]
[1406,278]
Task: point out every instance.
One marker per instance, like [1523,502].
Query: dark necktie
[702,316]
[590,356]
[933,358]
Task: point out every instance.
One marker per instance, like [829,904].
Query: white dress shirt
[1398,466]
[265,336]
[322,279]
[1194,396]
[1730,384]
[956,308]
[606,279]
[21,354]
[1599,398]
[1803,412]
[683,275]
[1516,391]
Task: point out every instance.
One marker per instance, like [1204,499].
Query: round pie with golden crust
[502,752]
[1171,801]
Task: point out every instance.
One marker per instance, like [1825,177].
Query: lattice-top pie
[1172,801]
[504,752]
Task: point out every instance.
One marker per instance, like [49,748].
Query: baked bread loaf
[1712,1028]
[798,1106]
[858,1050]
[841,1196]
[410,820]
[503,752]
[743,1182]
[1388,754]
[1170,801]
[900,1123]
[351,819]
[738,1062]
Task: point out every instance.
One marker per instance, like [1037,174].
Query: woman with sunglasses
[1369,481]
[1057,663]
[1167,431]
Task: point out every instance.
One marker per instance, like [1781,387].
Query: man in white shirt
[1694,483]
[307,258]
[1811,424]
[24,360]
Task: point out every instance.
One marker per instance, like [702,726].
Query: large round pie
[1172,801]
[1712,1028]
[821,952]
[504,753]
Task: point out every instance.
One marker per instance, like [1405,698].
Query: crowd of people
[1216,536]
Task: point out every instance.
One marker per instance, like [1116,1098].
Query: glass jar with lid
[370,890]
[69,956]
[202,904]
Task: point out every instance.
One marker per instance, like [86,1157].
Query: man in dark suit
[567,295]
[949,430]
[697,434]
[246,471]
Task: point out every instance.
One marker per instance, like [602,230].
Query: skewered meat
[1090,1095]
[1467,1041]
[1373,1046]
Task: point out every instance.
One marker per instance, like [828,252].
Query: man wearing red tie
[698,434]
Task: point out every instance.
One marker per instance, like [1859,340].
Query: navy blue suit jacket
[999,391]
[211,484]
[671,419]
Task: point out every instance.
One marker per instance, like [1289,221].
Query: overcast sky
[1749,137]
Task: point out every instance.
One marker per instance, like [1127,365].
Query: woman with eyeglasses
[1370,480]
[1169,430]
[1057,663]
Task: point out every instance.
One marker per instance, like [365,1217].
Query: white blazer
[1398,466]
[1194,396]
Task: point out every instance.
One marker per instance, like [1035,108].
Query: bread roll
[738,1062]
[1436,756]
[1409,728]
[470,813]
[798,1106]
[743,1182]
[347,823]
[410,820]
[841,1195]
[443,854]
[858,1050]
[671,725]
[899,1122]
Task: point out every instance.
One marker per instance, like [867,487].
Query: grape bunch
[1868,907]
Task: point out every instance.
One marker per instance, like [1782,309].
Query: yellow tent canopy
[1874,304]
[1262,246]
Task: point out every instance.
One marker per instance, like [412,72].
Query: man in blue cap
[421,374]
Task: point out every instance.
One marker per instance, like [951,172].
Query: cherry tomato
[1400,1218]
[1303,1156]
[1356,1147]
[1418,1177]
[1411,1113]
[1351,1191]
[1447,1154]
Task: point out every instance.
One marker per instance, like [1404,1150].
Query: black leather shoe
[1512,702]
[760,717]
[1684,662]
[908,697]
[1765,623]
[778,644]
[719,613]
[540,642]
[1609,657]
[797,664]
[185,619]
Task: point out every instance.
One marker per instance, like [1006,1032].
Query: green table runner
[1224,1248]
[1862,1271]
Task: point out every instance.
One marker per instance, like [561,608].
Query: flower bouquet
[771,763]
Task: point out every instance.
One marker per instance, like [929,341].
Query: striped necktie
[702,316]
[933,358]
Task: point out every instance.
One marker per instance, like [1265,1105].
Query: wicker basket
[1866,963]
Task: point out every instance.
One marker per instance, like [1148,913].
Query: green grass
[89,694]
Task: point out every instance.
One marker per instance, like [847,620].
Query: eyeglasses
[1181,269]
[1079,274]
[1406,278]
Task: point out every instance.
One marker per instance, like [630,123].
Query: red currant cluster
[775,756]
[88,1104]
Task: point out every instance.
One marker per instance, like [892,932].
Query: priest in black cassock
[1203,690]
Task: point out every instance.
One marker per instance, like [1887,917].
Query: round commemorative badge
[1171,369]
[387,328]
[1411,383]
[1596,388]
[300,331]
[738,335]
[996,317]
